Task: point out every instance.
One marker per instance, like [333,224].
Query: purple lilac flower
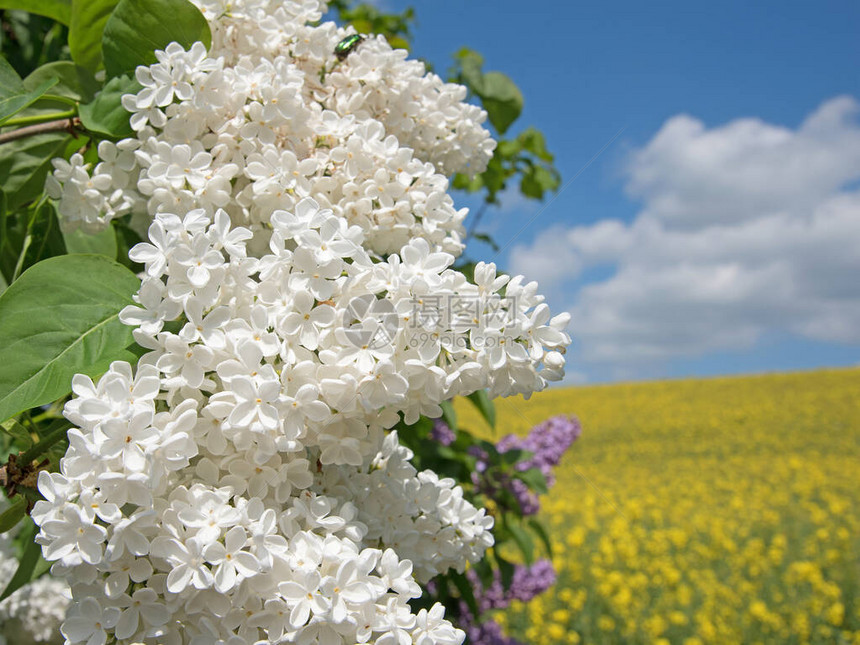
[527,582]
[527,499]
[548,442]
[442,433]
[489,632]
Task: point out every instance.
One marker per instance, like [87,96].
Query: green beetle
[345,46]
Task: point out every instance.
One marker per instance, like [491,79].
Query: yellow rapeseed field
[701,511]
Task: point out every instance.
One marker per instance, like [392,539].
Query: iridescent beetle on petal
[347,45]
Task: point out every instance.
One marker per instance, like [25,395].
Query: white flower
[244,477]
[127,439]
[431,628]
[254,402]
[232,563]
[187,363]
[72,538]
[307,322]
[303,595]
[187,563]
[88,622]
[143,604]
[394,622]
[129,535]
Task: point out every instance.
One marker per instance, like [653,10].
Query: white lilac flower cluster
[244,483]
[34,612]
[269,116]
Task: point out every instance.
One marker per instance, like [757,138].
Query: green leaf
[509,148]
[103,243]
[540,530]
[59,10]
[14,104]
[534,479]
[73,81]
[26,566]
[485,572]
[470,63]
[494,178]
[463,442]
[106,115]
[55,433]
[86,25]
[36,237]
[523,540]
[138,27]
[449,415]
[466,592]
[469,184]
[10,83]
[24,164]
[486,239]
[499,95]
[537,180]
[515,455]
[12,515]
[126,238]
[368,19]
[485,406]
[532,140]
[21,437]
[505,568]
[60,318]
[502,100]
[490,448]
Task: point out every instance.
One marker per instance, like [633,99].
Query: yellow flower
[835,614]
[605,623]
[700,511]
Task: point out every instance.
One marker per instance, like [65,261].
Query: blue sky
[732,131]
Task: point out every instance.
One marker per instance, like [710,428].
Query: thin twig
[60,125]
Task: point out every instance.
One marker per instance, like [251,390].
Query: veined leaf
[20,436]
[137,28]
[106,115]
[10,106]
[74,82]
[59,10]
[103,243]
[24,164]
[28,237]
[10,83]
[502,100]
[12,515]
[86,25]
[60,318]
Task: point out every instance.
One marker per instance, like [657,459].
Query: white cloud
[745,229]
[691,176]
